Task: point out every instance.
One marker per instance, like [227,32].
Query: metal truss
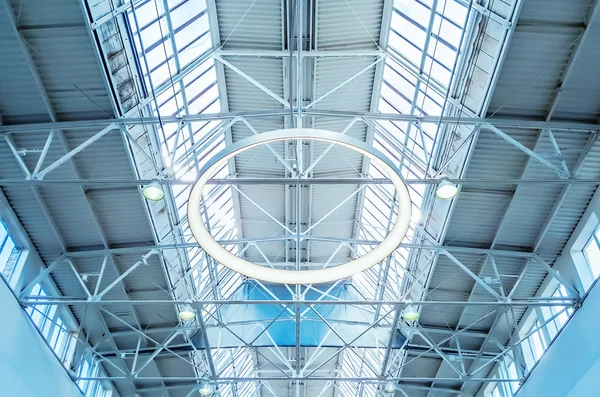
[529,124]
[348,333]
[355,337]
[210,308]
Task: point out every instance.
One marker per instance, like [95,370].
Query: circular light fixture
[411,313]
[390,387]
[205,388]
[251,270]
[153,192]
[187,312]
[446,190]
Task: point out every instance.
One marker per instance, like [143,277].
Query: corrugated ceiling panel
[348,24]
[251,24]
[354,96]
[20,100]
[243,95]
[76,89]
[476,217]
[553,11]
[580,98]
[494,157]
[121,215]
[533,66]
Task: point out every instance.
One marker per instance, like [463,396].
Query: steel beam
[532,302]
[41,174]
[99,183]
[253,81]
[528,151]
[245,379]
[569,125]
[432,247]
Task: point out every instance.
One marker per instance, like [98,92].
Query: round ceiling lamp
[252,270]
[389,388]
[446,190]
[205,388]
[153,192]
[411,313]
[187,312]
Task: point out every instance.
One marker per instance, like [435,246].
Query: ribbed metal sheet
[75,89]
[477,217]
[19,98]
[580,98]
[544,40]
[243,95]
[251,24]
[533,66]
[351,24]
[554,11]
[55,36]
[354,96]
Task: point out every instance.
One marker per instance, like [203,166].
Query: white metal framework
[413,79]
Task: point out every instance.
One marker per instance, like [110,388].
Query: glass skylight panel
[423,46]
[356,363]
[235,362]
[167,41]
[159,58]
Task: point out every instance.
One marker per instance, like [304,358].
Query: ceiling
[146,100]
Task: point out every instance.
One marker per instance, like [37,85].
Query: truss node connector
[94,298]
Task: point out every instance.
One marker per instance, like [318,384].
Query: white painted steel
[377,254]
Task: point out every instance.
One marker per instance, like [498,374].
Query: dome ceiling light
[411,313]
[252,270]
[446,190]
[389,388]
[206,388]
[187,312]
[153,192]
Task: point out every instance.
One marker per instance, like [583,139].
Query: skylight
[422,52]
[180,85]
[423,49]
[165,62]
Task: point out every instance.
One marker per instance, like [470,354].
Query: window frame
[10,259]
[592,239]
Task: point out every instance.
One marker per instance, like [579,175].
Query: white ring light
[251,270]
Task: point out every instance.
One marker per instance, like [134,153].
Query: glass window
[9,252]
[560,313]
[416,79]
[90,368]
[512,374]
[592,253]
[52,327]
[536,344]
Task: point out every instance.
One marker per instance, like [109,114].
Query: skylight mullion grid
[185,36]
[431,56]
